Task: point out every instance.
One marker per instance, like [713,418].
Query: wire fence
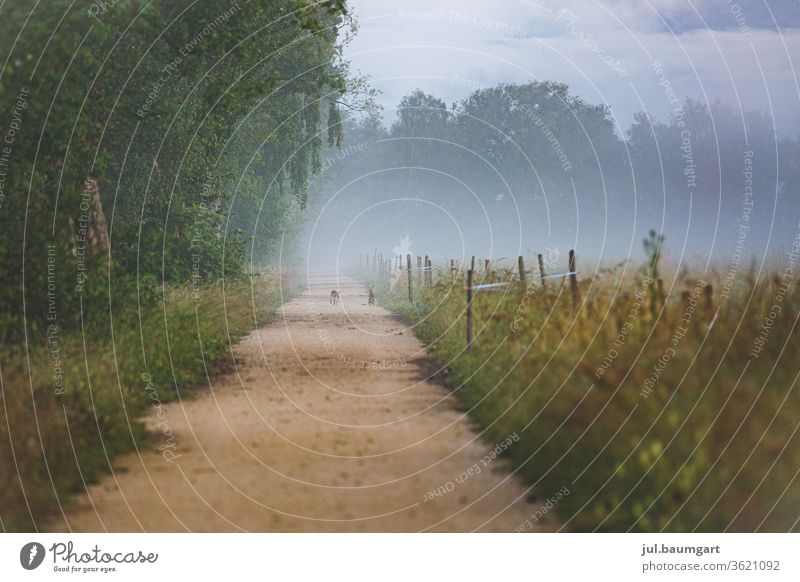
[518,277]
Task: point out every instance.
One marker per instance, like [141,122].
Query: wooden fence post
[468,314]
[410,279]
[419,268]
[542,274]
[430,273]
[486,265]
[425,273]
[521,265]
[473,263]
[453,269]
[573,280]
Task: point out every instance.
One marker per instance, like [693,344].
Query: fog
[521,169]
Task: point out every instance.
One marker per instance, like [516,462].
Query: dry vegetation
[654,417]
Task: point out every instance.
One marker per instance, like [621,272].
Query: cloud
[603,50]
[679,16]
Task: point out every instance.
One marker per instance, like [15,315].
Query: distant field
[655,412]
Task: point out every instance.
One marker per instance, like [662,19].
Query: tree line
[535,162]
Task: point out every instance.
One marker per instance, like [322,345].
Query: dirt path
[327,425]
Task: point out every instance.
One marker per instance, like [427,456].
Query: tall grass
[51,444]
[656,414]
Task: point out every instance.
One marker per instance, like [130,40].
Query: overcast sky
[743,51]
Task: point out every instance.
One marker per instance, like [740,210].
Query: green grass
[701,442]
[52,443]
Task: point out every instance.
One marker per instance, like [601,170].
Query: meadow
[660,401]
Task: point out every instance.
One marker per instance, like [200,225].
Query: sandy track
[328,424]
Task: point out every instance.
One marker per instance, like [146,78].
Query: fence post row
[426,267]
